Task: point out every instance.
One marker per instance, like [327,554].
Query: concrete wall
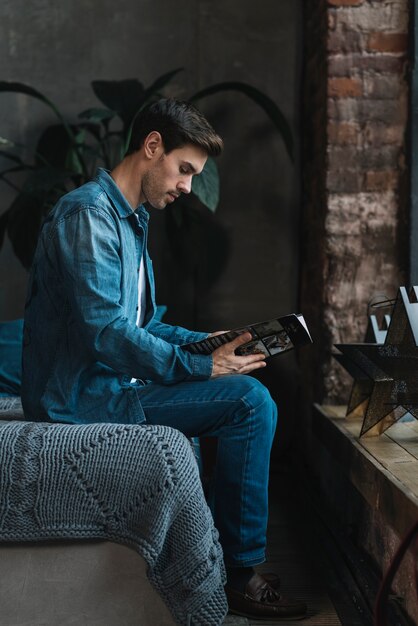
[60,47]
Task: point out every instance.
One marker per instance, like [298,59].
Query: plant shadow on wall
[68,153]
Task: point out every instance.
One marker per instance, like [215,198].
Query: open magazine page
[270,337]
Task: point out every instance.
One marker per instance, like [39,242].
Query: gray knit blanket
[136,485]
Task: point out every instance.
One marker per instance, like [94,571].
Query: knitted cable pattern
[136,485]
[11,408]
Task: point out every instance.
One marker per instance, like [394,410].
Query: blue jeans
[240,412]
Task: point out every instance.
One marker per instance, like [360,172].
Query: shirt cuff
[202,366]
[196,336]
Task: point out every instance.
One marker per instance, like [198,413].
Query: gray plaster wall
[60,47]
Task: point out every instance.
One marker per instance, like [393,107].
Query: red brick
[343,158]
[343,134]
[344,41]
[383,87]
[344,88]
[381,180]
[379,134]
[387,42]
[342,64]
[390,112]
[349,64]
[332,22]
[344,181]
[383,16]
[384,157]
[345,3]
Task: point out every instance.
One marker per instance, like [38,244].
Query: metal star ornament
[386,375]
[363,385]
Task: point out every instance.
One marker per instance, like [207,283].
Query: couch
[102,525]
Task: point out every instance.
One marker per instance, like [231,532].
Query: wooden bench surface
[384,468]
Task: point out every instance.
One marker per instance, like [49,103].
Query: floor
[294,552]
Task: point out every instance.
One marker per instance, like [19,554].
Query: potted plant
[68,153]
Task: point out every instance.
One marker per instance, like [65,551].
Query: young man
[93,351]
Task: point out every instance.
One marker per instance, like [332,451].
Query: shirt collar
[120,203]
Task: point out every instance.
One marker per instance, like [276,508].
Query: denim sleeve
[174,334]
[87,247]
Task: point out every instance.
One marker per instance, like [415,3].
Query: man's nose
[185,185]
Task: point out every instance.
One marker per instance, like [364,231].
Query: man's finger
[255,366]
[238,341]
[252,358]
[218,332]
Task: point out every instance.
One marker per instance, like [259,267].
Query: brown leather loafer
[261,601]
[272,579]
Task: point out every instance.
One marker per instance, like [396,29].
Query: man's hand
[225,361]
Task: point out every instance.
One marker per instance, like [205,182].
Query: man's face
[171,174]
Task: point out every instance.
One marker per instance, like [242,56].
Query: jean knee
[260,403]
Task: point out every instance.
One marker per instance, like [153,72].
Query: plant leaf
[12,157]
[25,215]
[264,101]
[206,185]
[4,219]
[6,142]
[148,94]
[93,129]
[15,168]
[199,244]
[53,146]
[40,192]
[97,115]
[44,179]
[122,96]
[158,84]
[12,170]
[14,87]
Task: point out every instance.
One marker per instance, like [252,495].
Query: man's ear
[153,145]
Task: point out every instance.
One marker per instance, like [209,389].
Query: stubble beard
[152,193]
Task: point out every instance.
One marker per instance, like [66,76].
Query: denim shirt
[81,345]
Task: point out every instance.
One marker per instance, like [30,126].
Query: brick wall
[355,226]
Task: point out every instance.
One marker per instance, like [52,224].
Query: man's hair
[179,123]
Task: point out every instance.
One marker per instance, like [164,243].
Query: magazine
[270,337]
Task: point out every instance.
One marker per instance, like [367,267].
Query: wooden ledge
[383,469]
